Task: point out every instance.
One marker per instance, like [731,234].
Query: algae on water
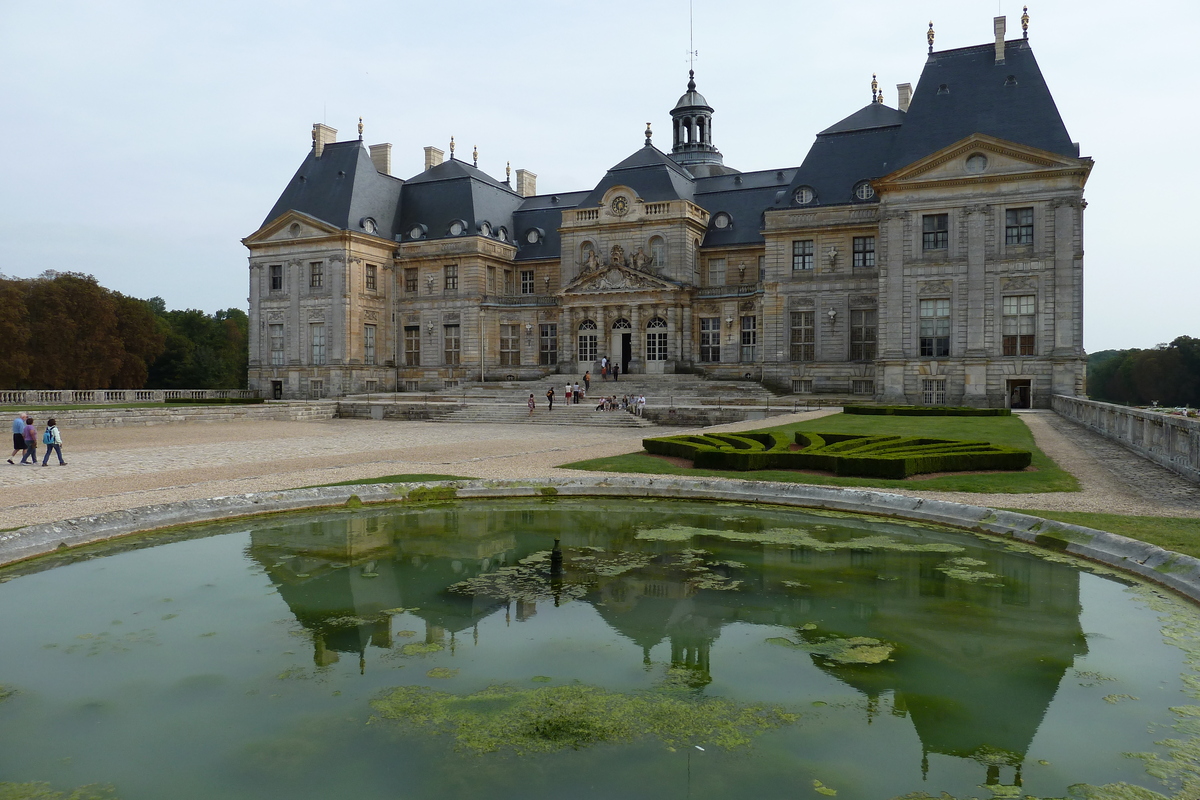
[42,791]
[849,650]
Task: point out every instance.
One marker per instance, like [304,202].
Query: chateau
[930,253]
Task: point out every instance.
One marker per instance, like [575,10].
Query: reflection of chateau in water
[975,667]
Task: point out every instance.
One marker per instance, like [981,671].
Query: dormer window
[368,225]
[722,221]
[534,235]
[457,227]
[416,232]
[804,195]
[485,229]
[864,191]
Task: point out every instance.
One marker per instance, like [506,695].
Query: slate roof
[856,149]
[455,190]
[341,188]
[651,173]
[744,197]
[543,213]
[979,98]
[873,115]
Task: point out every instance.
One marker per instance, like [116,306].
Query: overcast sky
[146,139]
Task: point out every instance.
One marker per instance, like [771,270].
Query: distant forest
[1168,374]
[63,330]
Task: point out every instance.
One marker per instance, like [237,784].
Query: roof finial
[874,86]
[880,98]
[1025,21]
[475,156]
[451,148]
[360,129]
[691,80]
[929,35]
[648,134]
[507,172]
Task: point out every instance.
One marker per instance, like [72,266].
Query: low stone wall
[43,397]
[1171,441]
[1179,572]
[355,409]
[172,415]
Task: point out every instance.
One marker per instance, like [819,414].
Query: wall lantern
[729,322]
[832,316]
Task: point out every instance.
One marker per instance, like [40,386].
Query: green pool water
[686,650]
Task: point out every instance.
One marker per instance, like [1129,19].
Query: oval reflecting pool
[665,649]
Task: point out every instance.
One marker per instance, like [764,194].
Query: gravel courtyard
[121,468]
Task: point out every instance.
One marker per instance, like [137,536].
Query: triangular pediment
[981,157]
[616,278]
[290,226]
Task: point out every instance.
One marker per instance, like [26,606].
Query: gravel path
[111,469]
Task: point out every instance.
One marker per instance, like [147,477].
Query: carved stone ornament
[337,258]
[1019,282]
[615,279]
[860,300]
[616,256]
[294,262]
[708,308]
[412,319]
[372,315]
[276,316]
[450,318]
[747,305]
[801,300]
[316,313]
[935,287]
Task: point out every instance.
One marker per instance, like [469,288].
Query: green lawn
[1007,431]
[1178,534]
[416,478]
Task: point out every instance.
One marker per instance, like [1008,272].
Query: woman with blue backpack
[53,441]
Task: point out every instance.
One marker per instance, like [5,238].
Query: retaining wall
[43,397]
[1179,572]
[1171,441]
[171,415]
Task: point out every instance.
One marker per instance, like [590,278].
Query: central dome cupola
[691,121]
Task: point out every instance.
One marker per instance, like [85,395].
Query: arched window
[622,325]
[658,252]
[656,339]
[587,342]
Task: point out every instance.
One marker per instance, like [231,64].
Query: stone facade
[924,255]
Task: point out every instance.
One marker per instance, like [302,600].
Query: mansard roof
[837,162]
[965,91]
[872,115]
[342,187]
[651,173]
[743,197]
[455,191]
[543,213]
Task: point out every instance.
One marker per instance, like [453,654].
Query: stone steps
[510,414]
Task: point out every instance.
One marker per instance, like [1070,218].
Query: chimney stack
[381,157]
[322,135]
[526,183]
[999,25]
[433,157]
[903,96]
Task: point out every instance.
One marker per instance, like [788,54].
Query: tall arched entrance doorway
[622,344]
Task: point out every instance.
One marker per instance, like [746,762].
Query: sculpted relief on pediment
[615,279]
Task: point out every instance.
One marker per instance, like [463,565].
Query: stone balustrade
[1172,441]
[43,397]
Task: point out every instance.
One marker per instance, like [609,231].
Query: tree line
[63,330]
[1168,374]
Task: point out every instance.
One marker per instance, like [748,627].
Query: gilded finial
[475,156]
[880,98]
[360,129]
[929,35]
[507,171]
[451,148]
[1025,21]
[648,133]
[874,86]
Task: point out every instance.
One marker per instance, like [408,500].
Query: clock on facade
[620,205]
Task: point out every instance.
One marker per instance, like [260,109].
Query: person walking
[616,371]
[532,405]
[30,437]
[604,368]
[550,397]
[18,430]
[53,441]
[567,393]
[587,381]
[577,393]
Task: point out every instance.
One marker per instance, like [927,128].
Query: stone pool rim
[1173,570]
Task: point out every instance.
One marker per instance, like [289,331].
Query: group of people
[634,404]
[606,369]
[25,440]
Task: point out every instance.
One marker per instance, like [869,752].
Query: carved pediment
[289,226]
[980,157]
[616,279]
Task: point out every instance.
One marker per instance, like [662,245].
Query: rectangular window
[491,280]
[1019,319]
[933,392]
[802,385]
[452,344]
[372,386]
[368,344]
[316,338]
[749,338]
[510,345]
[277,355]
[804,336]
[935,328]
[410,280]
[710,339]
[864,252]
[1018,226]
[276,272]
[716,272]
[548,338]
[762,268]
[935,231]
[316,389]
[862,334]
[862,387]
[412,345]
[527,282]
[316,275]
[510,286]
[658,253]
[802,255]
[587,347]
[656,342]
[450,277]
[372,277]
[412,386]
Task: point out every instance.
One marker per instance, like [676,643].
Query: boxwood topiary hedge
[844,454]
[928,411]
